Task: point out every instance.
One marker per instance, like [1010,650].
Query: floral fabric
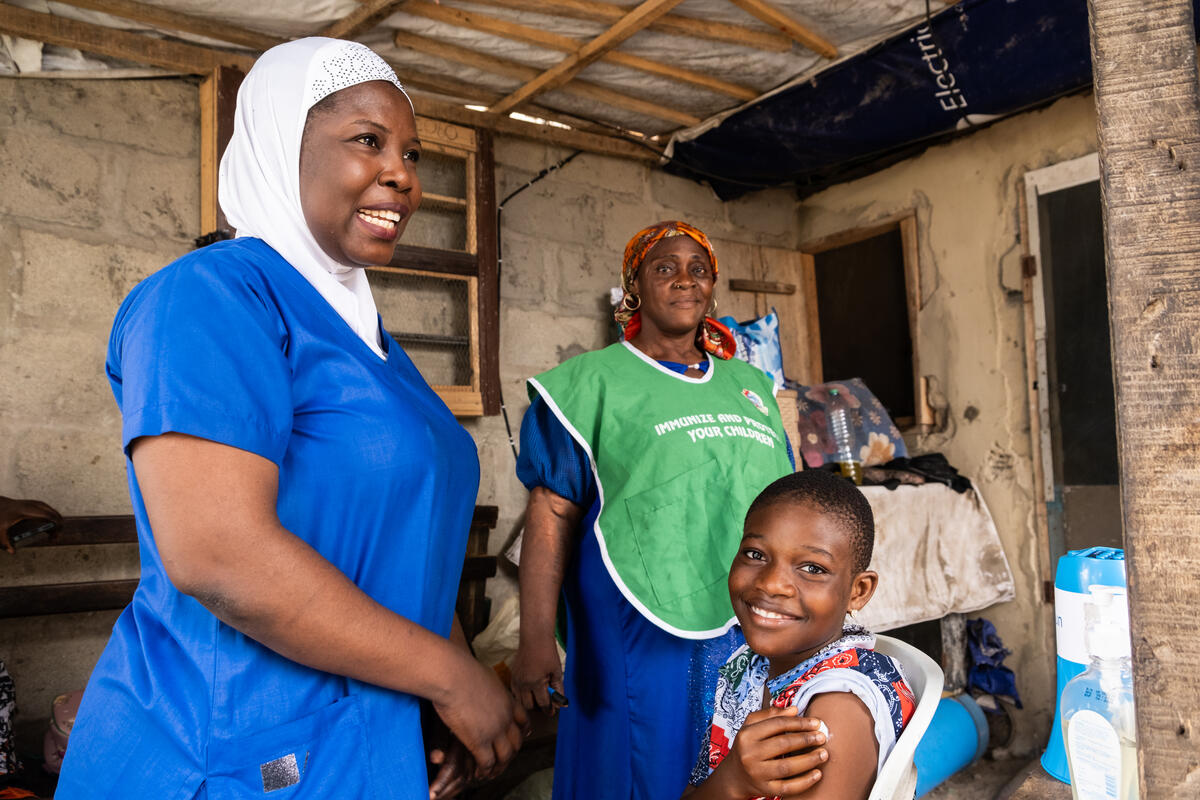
[878,440]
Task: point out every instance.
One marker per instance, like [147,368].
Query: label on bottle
[1068,625]
[1094,755]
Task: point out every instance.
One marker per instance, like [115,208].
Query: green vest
[677,462]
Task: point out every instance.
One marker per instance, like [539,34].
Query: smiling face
[358,172]
[793,581]
[675,284]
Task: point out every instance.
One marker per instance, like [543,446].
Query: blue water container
[1077,570]
[957,737]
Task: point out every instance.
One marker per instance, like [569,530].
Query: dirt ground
[980,781]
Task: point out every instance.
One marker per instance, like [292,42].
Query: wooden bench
[70,598]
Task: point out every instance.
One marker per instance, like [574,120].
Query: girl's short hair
[830,494]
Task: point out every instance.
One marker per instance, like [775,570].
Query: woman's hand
[533,668]
[13,511]
[484,717]
[768,758]
[551,522]
[212,508]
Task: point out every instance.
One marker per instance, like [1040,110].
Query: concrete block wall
[98,188]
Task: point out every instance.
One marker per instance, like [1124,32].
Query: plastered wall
[966,197]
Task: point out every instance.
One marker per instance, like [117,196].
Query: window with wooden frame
[848,307]
[862,299]
[438,296]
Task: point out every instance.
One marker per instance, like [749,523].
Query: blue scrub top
[232,344]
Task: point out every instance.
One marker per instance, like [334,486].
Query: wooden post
[218,99]
[1144,62]
[489,286]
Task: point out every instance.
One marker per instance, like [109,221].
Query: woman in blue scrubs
[302,496]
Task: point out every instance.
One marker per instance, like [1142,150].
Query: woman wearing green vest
[641,460]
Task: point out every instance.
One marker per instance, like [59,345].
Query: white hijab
[259,181]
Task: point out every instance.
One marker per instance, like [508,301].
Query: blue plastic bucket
[1076,571]
[957,737]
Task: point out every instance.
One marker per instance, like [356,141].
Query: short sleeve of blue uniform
[180,370]
[551,458]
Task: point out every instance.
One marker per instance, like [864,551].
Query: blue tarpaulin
[976,62]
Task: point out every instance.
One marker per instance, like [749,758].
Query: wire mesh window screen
[442,220]
[430,317]
[437,227]
[443,173]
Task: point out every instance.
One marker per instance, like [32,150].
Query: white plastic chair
[897,780]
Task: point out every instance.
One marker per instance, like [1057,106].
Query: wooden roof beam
[521,72]
[511,30]
[176,21]
[366,16]
[575,139]
[113,43]
[596,11]
[453,87]
[569,67]
[790,26]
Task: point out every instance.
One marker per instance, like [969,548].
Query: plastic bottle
[1097,705]
[841,428]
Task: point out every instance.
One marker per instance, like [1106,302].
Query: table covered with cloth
[937,552]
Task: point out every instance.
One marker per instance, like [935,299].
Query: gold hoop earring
[631,305]
[712,308]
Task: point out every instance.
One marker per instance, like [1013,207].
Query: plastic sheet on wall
[981,61]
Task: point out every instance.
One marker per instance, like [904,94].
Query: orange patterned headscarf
[714,337]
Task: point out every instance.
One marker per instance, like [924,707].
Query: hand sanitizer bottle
[1097,705]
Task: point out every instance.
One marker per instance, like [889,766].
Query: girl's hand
[776,754]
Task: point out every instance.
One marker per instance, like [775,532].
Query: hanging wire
[500,267]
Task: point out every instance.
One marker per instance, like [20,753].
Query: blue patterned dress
[849,664]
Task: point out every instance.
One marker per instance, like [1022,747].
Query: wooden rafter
[117,44]
[784,22]
[176,21]
[511,30]
[577,140]
[569,67]
[596,11]
[363,18]
[453,87]
[522,72]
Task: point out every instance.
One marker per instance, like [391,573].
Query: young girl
[801,566]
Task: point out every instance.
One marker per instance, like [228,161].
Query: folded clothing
[927,468]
